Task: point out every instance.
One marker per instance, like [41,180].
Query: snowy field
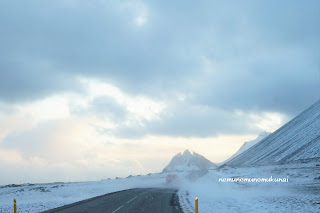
[41,197]
[299,194]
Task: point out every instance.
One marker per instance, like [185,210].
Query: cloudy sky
[97,89]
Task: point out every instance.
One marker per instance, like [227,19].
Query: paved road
[134,200]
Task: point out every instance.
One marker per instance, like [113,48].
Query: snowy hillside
[249,144]
[296,141]
[187,162]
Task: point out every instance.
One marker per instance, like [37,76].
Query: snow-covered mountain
[246,145]
[296,141]
[187,162]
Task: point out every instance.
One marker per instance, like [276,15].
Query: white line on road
[142,193]
[132,199]
[117,209]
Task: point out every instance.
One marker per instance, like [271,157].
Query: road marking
[132,199]
[128,202]
[142,193]
[117,209]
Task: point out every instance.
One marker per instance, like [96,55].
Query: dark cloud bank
[254,56]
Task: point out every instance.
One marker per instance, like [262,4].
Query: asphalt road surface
[152,200]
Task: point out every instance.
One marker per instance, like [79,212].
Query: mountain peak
[187,152]
[187,162]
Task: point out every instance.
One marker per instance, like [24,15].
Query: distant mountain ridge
[296,141]
[188,162]
[246,145]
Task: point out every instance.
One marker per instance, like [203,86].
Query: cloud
[191,120]
[100,40]
[20,83]
[103,107]
[39,141]
[89,41]
[73,73]
[264,84]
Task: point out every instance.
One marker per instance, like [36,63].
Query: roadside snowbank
[300,194]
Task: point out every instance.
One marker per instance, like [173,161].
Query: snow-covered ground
[300,194]
[41,197]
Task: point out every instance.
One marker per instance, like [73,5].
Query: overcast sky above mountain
[92,89]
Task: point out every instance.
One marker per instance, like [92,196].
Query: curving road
[133,200]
